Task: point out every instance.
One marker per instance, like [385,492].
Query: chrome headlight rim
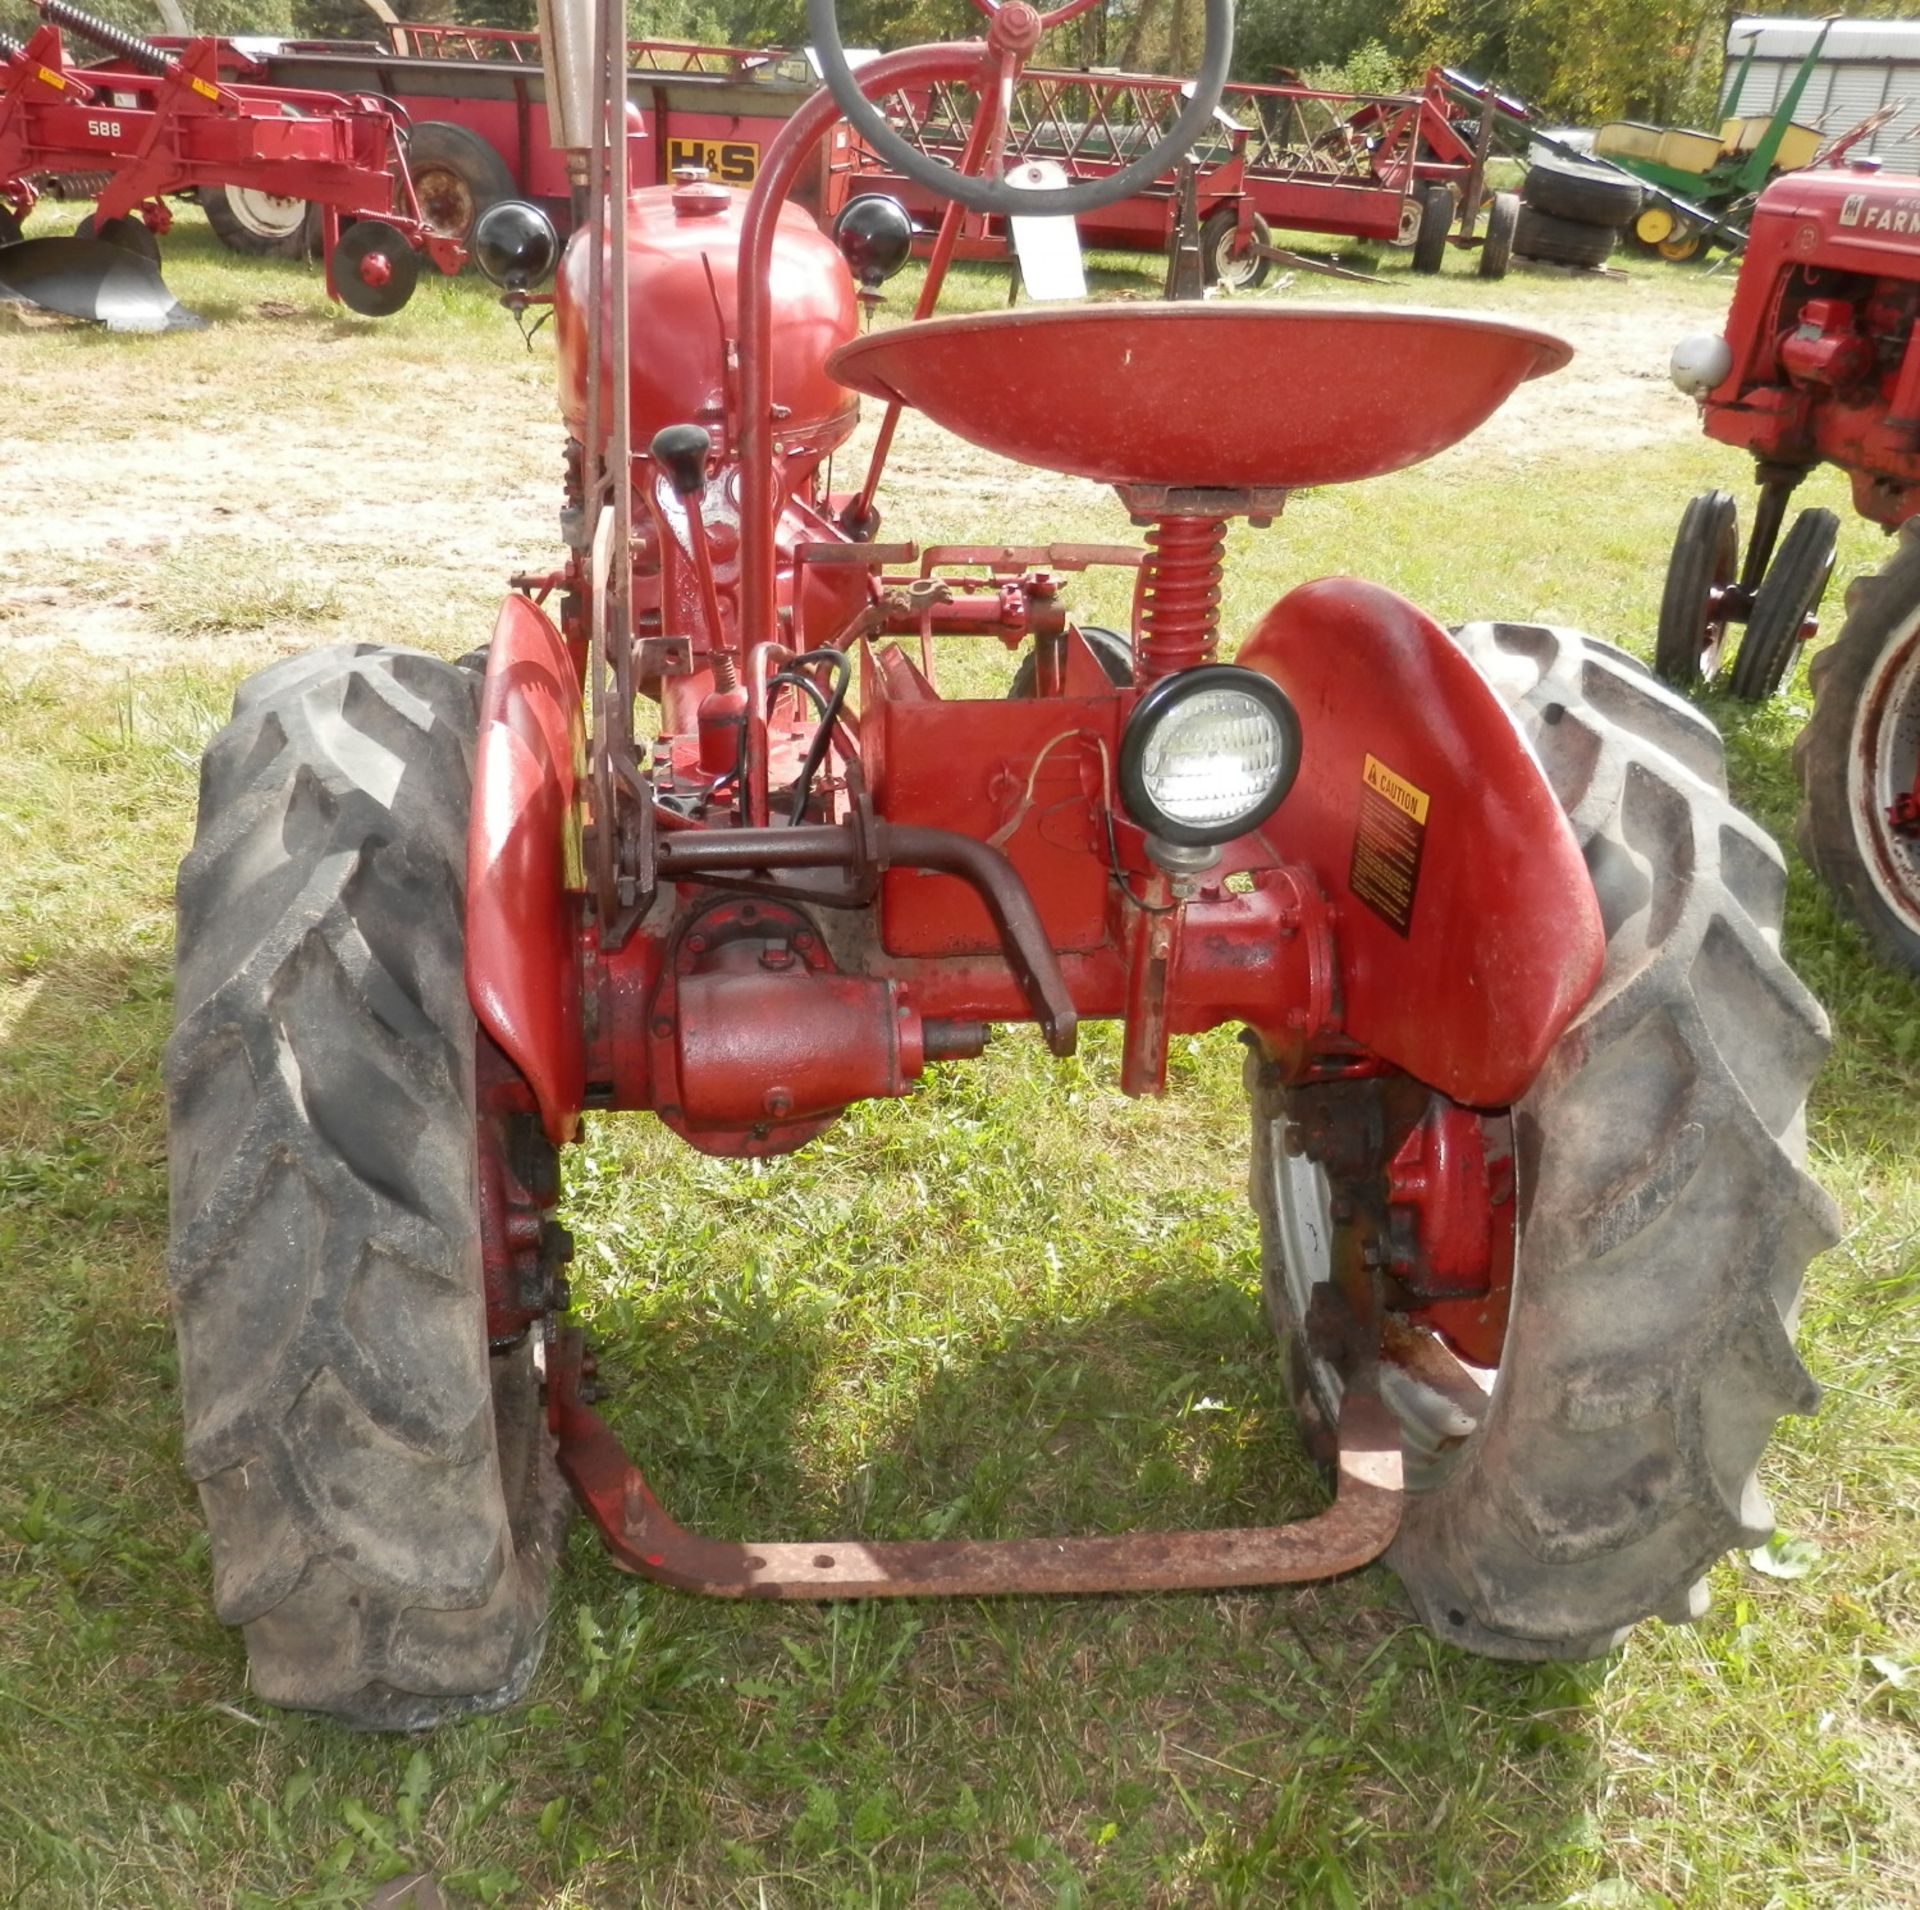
[1151,709]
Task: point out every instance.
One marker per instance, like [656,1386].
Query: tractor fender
[523,974]
[1467,931]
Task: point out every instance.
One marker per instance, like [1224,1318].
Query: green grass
[1015,1303]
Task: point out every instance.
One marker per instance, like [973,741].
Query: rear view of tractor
[1820,364]
[700,835]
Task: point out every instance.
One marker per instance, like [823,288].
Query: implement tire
[1556,241]
[1666,1216]
[379,1486]
[1590,195]
[261,225]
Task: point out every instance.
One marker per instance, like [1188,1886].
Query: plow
[699,837]
[166,122]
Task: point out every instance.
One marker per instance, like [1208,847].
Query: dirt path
[288,479]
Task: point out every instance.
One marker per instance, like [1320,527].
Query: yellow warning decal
[1389,841]
[54,79]
[203,89]
[1396,789]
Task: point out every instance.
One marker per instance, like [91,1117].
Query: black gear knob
[681,450]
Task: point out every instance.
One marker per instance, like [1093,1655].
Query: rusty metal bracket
[643,1539]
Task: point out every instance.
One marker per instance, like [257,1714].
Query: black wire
[829,715]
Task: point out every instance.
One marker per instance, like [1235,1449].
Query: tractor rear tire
[1436,222]
[1861,750]
[10,232]
[1666,1216]
[1556,241]
[379,1485]
[1789,594]
[1587,195]
[456,176]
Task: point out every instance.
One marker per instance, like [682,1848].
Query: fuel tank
[683,245]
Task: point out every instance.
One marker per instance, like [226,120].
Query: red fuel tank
[676,237]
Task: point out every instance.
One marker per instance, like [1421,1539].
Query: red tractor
[1821,364]
[1526,1068]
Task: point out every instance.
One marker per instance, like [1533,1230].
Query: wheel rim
[1234,270]
[267,215]
[1434,1427]
[1654,226]
[1883,753]
[1679,250]
[446,201]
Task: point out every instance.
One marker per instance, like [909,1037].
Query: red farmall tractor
[1526,1069]
[1821,364]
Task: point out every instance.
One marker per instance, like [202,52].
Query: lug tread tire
[380,1492]
[1555,241]
[1791,591]
[1584,195]
[1881,609]
[1667,1215]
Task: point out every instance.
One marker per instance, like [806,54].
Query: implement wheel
[1436,221]
[1503,221]
[378,1483]
[456,177]
[1859,758]
[1785,606]
[1245,271]
[1691,638]
[1663,1212]
[261,225]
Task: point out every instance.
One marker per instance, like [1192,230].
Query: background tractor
[1820,363]
[1525,1066]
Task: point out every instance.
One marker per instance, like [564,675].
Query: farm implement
[1399,169]
[700,836]
[1820,364]
[169,123]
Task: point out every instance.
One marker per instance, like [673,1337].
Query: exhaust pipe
[566,57]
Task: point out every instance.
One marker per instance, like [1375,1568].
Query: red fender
[1468,933]
[522,859]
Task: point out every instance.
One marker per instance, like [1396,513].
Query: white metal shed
[1865,64]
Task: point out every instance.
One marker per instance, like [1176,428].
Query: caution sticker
[54,79]
[203,89]
[1387,845]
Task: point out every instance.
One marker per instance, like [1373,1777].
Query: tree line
[1578,61]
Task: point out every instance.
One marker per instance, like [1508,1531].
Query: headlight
[1208,754]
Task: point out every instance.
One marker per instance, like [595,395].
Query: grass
[1015,1303]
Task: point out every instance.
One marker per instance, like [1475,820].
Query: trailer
[1397,169]
[473,100]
